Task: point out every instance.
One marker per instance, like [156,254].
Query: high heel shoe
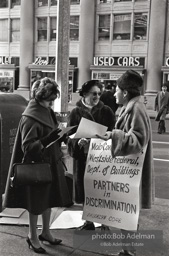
[54,242]
[37,250]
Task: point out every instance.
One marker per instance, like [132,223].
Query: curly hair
[47,90]
[34,88]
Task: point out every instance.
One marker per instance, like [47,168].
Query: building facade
[107,37]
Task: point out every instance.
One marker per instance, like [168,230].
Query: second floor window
[15,30]
[53,29]
[104,27]
[4,30]
[42,3]
[74,28]
[74,1]
[3,3]
[140,26]
[105,1]
[15,3]
[42,29]
[122,27]
[53,2]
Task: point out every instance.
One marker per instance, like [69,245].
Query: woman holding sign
[132,132]
[89,107]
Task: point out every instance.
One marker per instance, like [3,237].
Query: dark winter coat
[101,114]
[109,99]
[37,122]
[132,132]
[162,105]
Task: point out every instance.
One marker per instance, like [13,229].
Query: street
[161,160]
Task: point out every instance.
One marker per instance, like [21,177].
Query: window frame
[14,5]
[102,27]
[11,30]
[37,31]
[6,30]
[71,28]
[77,2]
[146,36]
[50,18]
[120,34]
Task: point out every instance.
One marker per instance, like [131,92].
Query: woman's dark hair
[86,87]
[131,81]
[48,90]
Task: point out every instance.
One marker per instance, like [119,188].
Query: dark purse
[31,174]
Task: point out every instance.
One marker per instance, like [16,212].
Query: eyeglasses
[95,93]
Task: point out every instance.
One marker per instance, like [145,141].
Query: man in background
[108,98]
[162,107]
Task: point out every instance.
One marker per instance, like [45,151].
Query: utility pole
[62,54]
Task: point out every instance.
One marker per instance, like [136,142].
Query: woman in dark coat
[89,107]
[38,127]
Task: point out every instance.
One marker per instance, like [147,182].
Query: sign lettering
[112,186]
[5,60]
[120,61]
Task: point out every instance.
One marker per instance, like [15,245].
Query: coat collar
[126,110]
[98,106]
[39,113]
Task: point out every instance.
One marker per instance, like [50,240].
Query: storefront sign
[118,61]
[6,73]
[5,60]
[41,61]
[112,186]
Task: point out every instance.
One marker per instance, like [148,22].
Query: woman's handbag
[31,174]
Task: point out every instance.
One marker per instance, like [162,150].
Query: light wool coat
[132,132]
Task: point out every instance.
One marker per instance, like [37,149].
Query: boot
[161,127]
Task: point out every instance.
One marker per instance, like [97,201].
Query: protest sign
[112,186]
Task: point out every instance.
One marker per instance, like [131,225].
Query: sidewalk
[13,238]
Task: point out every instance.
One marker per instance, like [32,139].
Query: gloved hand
[52,136]
[64,139]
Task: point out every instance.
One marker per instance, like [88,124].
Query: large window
[74,1]
[53,2]
[74,28]
[3,3]
[122,27]
[42,3]
[4,30]
[140,26]
[53,29]
[15,30]
[105,1]
[42,29]
[15,3]
[104,27]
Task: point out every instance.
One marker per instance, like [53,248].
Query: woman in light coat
[132,132]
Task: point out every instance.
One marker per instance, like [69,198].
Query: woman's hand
[107,136]
[83,142]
